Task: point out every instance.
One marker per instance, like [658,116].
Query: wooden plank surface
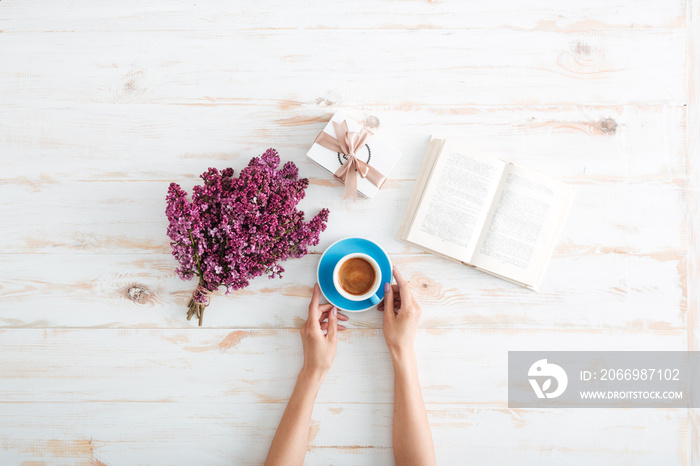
[426,67]
[133,15]
[195,389]
[129,217]
[612,290]
[693,206]
[101,106]
[201,432]
[156,142]
[234,365]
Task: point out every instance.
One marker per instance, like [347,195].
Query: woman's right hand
[401,316]
[412,439]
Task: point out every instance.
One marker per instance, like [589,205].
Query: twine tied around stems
[195,307]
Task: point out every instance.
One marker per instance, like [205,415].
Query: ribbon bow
[348,143]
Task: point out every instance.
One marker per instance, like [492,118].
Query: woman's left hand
[319,348]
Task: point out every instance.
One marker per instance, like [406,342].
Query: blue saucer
[330,258]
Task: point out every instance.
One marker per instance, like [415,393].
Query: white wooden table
[103,104]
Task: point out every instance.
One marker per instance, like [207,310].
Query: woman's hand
[401,316]
[412,439]
[319,348]
[292,436]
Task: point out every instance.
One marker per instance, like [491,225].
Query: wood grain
[217,433]
[132,15]
[594,290]
[636,216]
[225,366]
[139,395]
[132,141]
[466,66]
[693,207]
[101,106]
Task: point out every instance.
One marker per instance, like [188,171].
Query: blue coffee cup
[371,294]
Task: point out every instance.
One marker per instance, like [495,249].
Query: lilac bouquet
[236,229]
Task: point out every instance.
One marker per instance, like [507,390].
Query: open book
[486,213]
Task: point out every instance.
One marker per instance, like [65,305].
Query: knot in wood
[372,122]
[423,283]
[608,126]
[582,49]
[137,293]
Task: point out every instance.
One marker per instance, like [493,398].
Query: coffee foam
[356,276]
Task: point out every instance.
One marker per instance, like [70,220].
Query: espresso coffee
[356,276]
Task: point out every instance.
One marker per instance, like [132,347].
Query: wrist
[403,357]
[311,375]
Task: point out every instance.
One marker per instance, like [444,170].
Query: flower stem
[197,308]
[196,257]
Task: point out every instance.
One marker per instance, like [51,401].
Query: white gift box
[375,152]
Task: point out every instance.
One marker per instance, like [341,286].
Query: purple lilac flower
[235,229]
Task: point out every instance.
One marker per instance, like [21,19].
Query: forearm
[413,441]
[292,436]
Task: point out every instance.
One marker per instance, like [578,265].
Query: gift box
[355,156]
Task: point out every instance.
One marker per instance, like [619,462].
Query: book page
[522,226]
[456,202]
[426,169]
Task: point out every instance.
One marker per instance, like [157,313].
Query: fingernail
[334,311]
[387,287]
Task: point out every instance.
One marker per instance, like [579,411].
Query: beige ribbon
[348,143]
